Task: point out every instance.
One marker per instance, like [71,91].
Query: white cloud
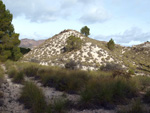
[48,10]
[34,10]
[95,15]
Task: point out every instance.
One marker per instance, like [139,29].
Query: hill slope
[91,56]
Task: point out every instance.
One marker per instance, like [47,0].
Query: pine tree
[8,38]
[85,30]
[111,44]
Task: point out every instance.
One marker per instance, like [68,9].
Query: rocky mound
[91,56]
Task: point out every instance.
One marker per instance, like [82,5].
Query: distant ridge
[30,43]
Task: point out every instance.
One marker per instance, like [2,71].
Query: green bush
[107,90]
[70,81]
[143,82]
[31,70]
[24,50]
[59,105]
[12,72]
[111,67]
[111,45]
[9,64]
[71,65]
[131,72]
[1,75]
[73,43]
[19,77]
[33,98]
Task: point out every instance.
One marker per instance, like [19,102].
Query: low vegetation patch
[12,72]
[107,90]
[1,75]
[96,88]
[136,106]
[19,77]
[33,98]
[59,105]
[73,43]
[71,81]
[147,97]
[31,70]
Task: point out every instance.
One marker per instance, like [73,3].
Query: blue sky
[126,21]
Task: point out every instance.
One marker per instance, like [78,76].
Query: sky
[125,21]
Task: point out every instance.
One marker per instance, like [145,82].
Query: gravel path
[11,93]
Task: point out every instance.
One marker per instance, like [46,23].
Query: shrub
[33,98]
[147,97]
[12,72]
[31,70]
[19,77]
[143,82]
[135,107]
[9,64]
[111,45]
[1,75]
[111,67]
[121,73]
[131,72]
[73,43]
[59,105]
[24,50]
[71,65]
[70,81]
[104,90]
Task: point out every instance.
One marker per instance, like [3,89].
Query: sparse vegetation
[115,85]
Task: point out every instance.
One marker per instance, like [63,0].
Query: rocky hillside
[91,56]
[30,43]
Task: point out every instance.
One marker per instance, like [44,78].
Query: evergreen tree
[111,44]
[8,38]
[85,30]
